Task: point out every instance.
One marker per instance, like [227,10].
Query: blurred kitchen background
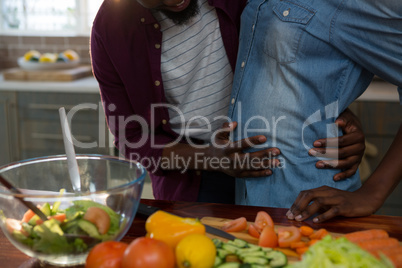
[29,104]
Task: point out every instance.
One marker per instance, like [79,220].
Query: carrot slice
[27,216]
[313,241]
[298,244]
[396,259]
[379,244]
[306,230]
[366,235]
[391,251]
[319,234]
[301,251]
[287,252]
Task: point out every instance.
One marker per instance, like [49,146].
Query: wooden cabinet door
[9,149]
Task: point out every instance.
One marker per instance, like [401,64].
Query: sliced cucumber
[89,228]
[248,250]
[218,261]
[222,253]
[247,255]
[229,265]
[230,248]
[255,253]
[256,260]
[218,243]
[238,243]
[277,259]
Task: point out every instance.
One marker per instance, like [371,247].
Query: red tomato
[237,225]
[262,220]
[145,252]
[107,254]
[253,231]
[268,238]
[287,235]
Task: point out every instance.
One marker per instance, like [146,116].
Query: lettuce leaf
[80,206]
[338,253]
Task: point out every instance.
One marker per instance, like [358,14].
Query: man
[165,72]
[307,60]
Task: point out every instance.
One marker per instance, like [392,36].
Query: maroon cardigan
[126,63]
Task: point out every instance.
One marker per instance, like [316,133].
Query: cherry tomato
[287,235]
[236,225]
[145,252]
[262,220]
[254,231]
[107,254]
[268,238]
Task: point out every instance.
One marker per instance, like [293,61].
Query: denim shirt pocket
[285,28]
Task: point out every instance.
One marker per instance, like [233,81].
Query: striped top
[196,73]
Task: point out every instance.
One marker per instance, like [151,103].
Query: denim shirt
[300,64]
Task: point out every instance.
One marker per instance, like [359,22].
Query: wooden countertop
[12,257]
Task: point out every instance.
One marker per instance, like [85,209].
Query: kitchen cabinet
[40,127]
[380,121]
[8,122]
[31,124]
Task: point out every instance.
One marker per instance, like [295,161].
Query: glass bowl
[112,184]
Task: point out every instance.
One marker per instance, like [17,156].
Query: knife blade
[147,210]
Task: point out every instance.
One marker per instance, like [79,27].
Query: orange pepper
[170,228]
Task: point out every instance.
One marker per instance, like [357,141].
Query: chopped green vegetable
[246,255]
[49,237]
[56,205]
[80,206]
[330,252]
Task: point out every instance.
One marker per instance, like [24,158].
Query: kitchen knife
[148,210]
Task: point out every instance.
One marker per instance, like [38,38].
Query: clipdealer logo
[331,111]
[121,123]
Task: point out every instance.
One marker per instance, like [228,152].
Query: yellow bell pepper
[170,228]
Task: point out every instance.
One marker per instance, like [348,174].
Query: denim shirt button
[243,64]
[233,101]
[285,13]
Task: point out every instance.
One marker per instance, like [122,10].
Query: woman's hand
[237,163]
[350,147]
[331,202]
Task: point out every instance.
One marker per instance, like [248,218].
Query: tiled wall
[13,47]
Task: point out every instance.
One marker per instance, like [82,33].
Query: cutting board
[64,75]
[219,222]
